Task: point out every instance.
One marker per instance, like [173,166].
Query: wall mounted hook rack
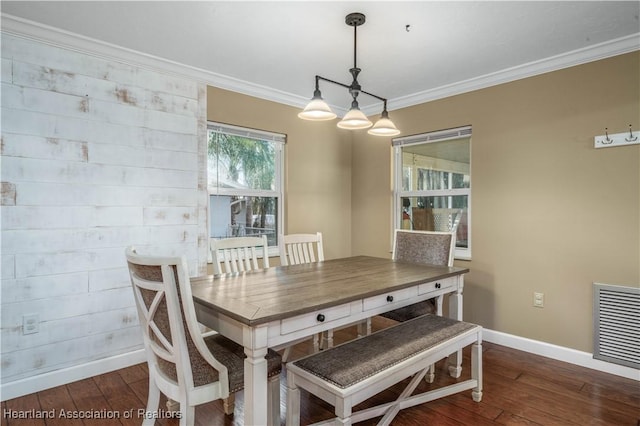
[619,139]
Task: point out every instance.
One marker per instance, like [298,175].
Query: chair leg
[476,370]
[439,300]
[431,374]
[228,404]
[188,417]
[153,402]
[364,327]
[317,341]
[273,401]
[285,354]
[328,340]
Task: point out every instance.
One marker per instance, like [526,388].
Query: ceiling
[409,52]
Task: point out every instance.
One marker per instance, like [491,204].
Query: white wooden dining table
[278,305]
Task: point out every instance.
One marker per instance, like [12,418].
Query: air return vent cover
[616,313]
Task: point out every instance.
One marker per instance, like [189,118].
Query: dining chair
[239,254]
[187,366]
[296,249]
[434,248]
[431,247]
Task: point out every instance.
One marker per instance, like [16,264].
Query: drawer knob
[437,285]
[389,298]
[320,318]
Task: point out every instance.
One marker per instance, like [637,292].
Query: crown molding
[60,38]
[57,37]
[584,55]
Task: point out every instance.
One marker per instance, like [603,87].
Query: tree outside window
[244,181]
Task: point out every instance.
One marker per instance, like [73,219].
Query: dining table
[271,307]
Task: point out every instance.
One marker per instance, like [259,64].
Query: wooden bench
[350,373]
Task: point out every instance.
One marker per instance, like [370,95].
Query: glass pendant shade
[317,110]
[384,127]
[354,119]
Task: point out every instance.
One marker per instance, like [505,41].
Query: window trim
[279,141]
[399,193]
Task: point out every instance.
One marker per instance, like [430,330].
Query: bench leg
[476,370]
[293,402]
[343,412]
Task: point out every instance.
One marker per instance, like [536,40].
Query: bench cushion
[354,361]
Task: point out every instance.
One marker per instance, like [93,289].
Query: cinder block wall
[96,155]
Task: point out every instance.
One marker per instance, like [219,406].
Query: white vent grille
[617,324]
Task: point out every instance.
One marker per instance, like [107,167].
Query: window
[432,184]
[245,182]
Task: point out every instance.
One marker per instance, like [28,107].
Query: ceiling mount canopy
[319,110]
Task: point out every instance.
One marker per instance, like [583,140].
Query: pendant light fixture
[319,110]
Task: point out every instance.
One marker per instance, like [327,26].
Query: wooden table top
[281,292]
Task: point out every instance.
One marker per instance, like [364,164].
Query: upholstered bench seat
[355,371]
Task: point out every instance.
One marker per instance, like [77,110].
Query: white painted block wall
[96,155]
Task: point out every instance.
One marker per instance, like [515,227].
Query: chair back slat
[150,299]
[296,249]
[239,254]
[172,336]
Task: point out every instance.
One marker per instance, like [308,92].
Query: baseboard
[44,381]
[560,353]
[63,376]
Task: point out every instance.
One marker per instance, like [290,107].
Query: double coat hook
[619,139]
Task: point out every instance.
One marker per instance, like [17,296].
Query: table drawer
[324,316]
[437,286]
[387,298]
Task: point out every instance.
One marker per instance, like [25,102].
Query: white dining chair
[239,254]
[296,249]
[185,365]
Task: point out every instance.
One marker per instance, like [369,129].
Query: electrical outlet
[538,300]
[30,324]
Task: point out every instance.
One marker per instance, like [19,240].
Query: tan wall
[318,165]
[549,212]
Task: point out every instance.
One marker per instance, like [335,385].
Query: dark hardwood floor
[519,389]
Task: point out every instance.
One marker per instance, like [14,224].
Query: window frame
[399,193]
[279,142]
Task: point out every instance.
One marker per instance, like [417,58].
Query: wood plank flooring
[519,389]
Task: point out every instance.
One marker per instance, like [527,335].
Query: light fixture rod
[355,44]
[319,77]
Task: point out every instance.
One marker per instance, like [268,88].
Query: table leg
[455,312]
[255,378]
